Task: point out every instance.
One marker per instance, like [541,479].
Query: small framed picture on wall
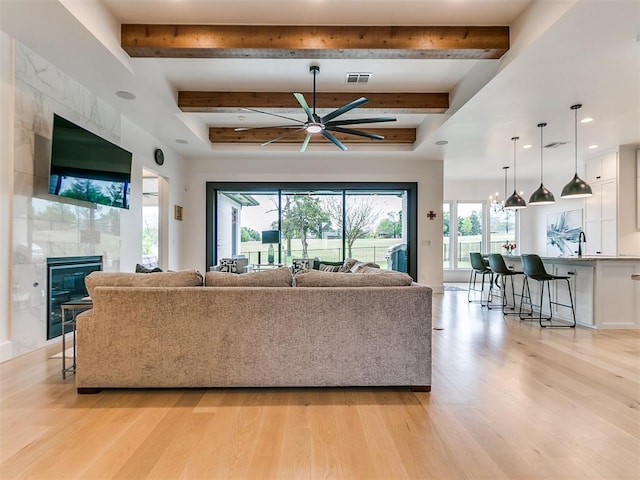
[177,212]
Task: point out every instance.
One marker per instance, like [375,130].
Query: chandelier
[495,203]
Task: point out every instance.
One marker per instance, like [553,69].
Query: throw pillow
[143,269]
[358,265]
[348,263]
[277,277]
[329,268]
[301,264]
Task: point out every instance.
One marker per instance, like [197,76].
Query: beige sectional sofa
[254,330]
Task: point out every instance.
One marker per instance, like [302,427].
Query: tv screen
[87,167]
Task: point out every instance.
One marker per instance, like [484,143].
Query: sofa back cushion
[276,277]
[316,278]
[186,278]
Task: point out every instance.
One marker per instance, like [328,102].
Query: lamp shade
[576,188]
[271,236]
[542,196]
[515,202]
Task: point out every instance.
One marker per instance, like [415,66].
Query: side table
[73,307]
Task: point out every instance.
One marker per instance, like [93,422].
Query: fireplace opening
[65,282]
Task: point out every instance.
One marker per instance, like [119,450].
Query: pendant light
[515,201]
[542,196]
[576,188]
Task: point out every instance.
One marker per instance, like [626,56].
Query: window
[369,222]
[446,237]
[502,229]
[472,232]
[469,222]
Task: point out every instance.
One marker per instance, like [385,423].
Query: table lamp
[270,237]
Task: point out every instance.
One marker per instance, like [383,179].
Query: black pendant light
[515,201]
[542,196]
[576,188]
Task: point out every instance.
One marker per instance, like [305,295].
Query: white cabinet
[638,189]
[601,168]
[581,281]
[600,225]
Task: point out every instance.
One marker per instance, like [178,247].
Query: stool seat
[479,267]
[534,270]
[499,267]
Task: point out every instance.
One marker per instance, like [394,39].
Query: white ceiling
[562,52]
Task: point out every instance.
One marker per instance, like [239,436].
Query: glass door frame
[212,189]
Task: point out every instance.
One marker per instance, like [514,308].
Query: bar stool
[496,262]
[534,270]
[479,267]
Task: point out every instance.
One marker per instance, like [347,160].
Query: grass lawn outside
[364,249]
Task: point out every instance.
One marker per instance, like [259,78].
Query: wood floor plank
[509,401]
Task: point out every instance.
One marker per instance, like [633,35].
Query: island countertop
[602,287]
[575,258]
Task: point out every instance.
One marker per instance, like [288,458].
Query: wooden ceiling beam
[285,102]
[229,135]
[319,42]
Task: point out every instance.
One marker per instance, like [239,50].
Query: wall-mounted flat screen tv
[87,167]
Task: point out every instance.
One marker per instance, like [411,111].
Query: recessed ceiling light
[591,147]
[586,120]
[442,142]
[181,141]
[528,145]
[126,95]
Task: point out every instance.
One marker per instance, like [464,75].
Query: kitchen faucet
[581,238]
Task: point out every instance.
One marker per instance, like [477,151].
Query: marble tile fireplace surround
[65,282]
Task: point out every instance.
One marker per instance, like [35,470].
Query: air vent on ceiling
[555,144]
[358,78]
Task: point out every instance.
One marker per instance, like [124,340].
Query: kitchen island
[603,292]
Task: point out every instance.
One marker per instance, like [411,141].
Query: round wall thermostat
[158,156]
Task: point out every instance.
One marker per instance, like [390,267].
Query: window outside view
[150,220]
[469,231]
[312,225]
[469,222]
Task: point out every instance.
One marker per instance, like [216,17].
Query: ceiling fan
[323,125]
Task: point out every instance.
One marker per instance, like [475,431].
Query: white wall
[143,145]
[33,224]
[344,167]
[6,191]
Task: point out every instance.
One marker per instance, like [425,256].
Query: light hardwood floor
[509,401]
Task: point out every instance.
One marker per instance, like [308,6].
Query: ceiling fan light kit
[542,196]
[576,188]
[515,201]
[323,125]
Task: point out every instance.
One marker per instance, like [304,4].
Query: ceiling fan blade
[343,109]
[244,129]
[306,142]
[355,132]
[272,114]
[334,140]
[281,137]
[303,104]
[357,121]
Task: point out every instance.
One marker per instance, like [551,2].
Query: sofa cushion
[276,277]
[186,278]
[312,278]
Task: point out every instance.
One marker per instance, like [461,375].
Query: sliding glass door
[331,222]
